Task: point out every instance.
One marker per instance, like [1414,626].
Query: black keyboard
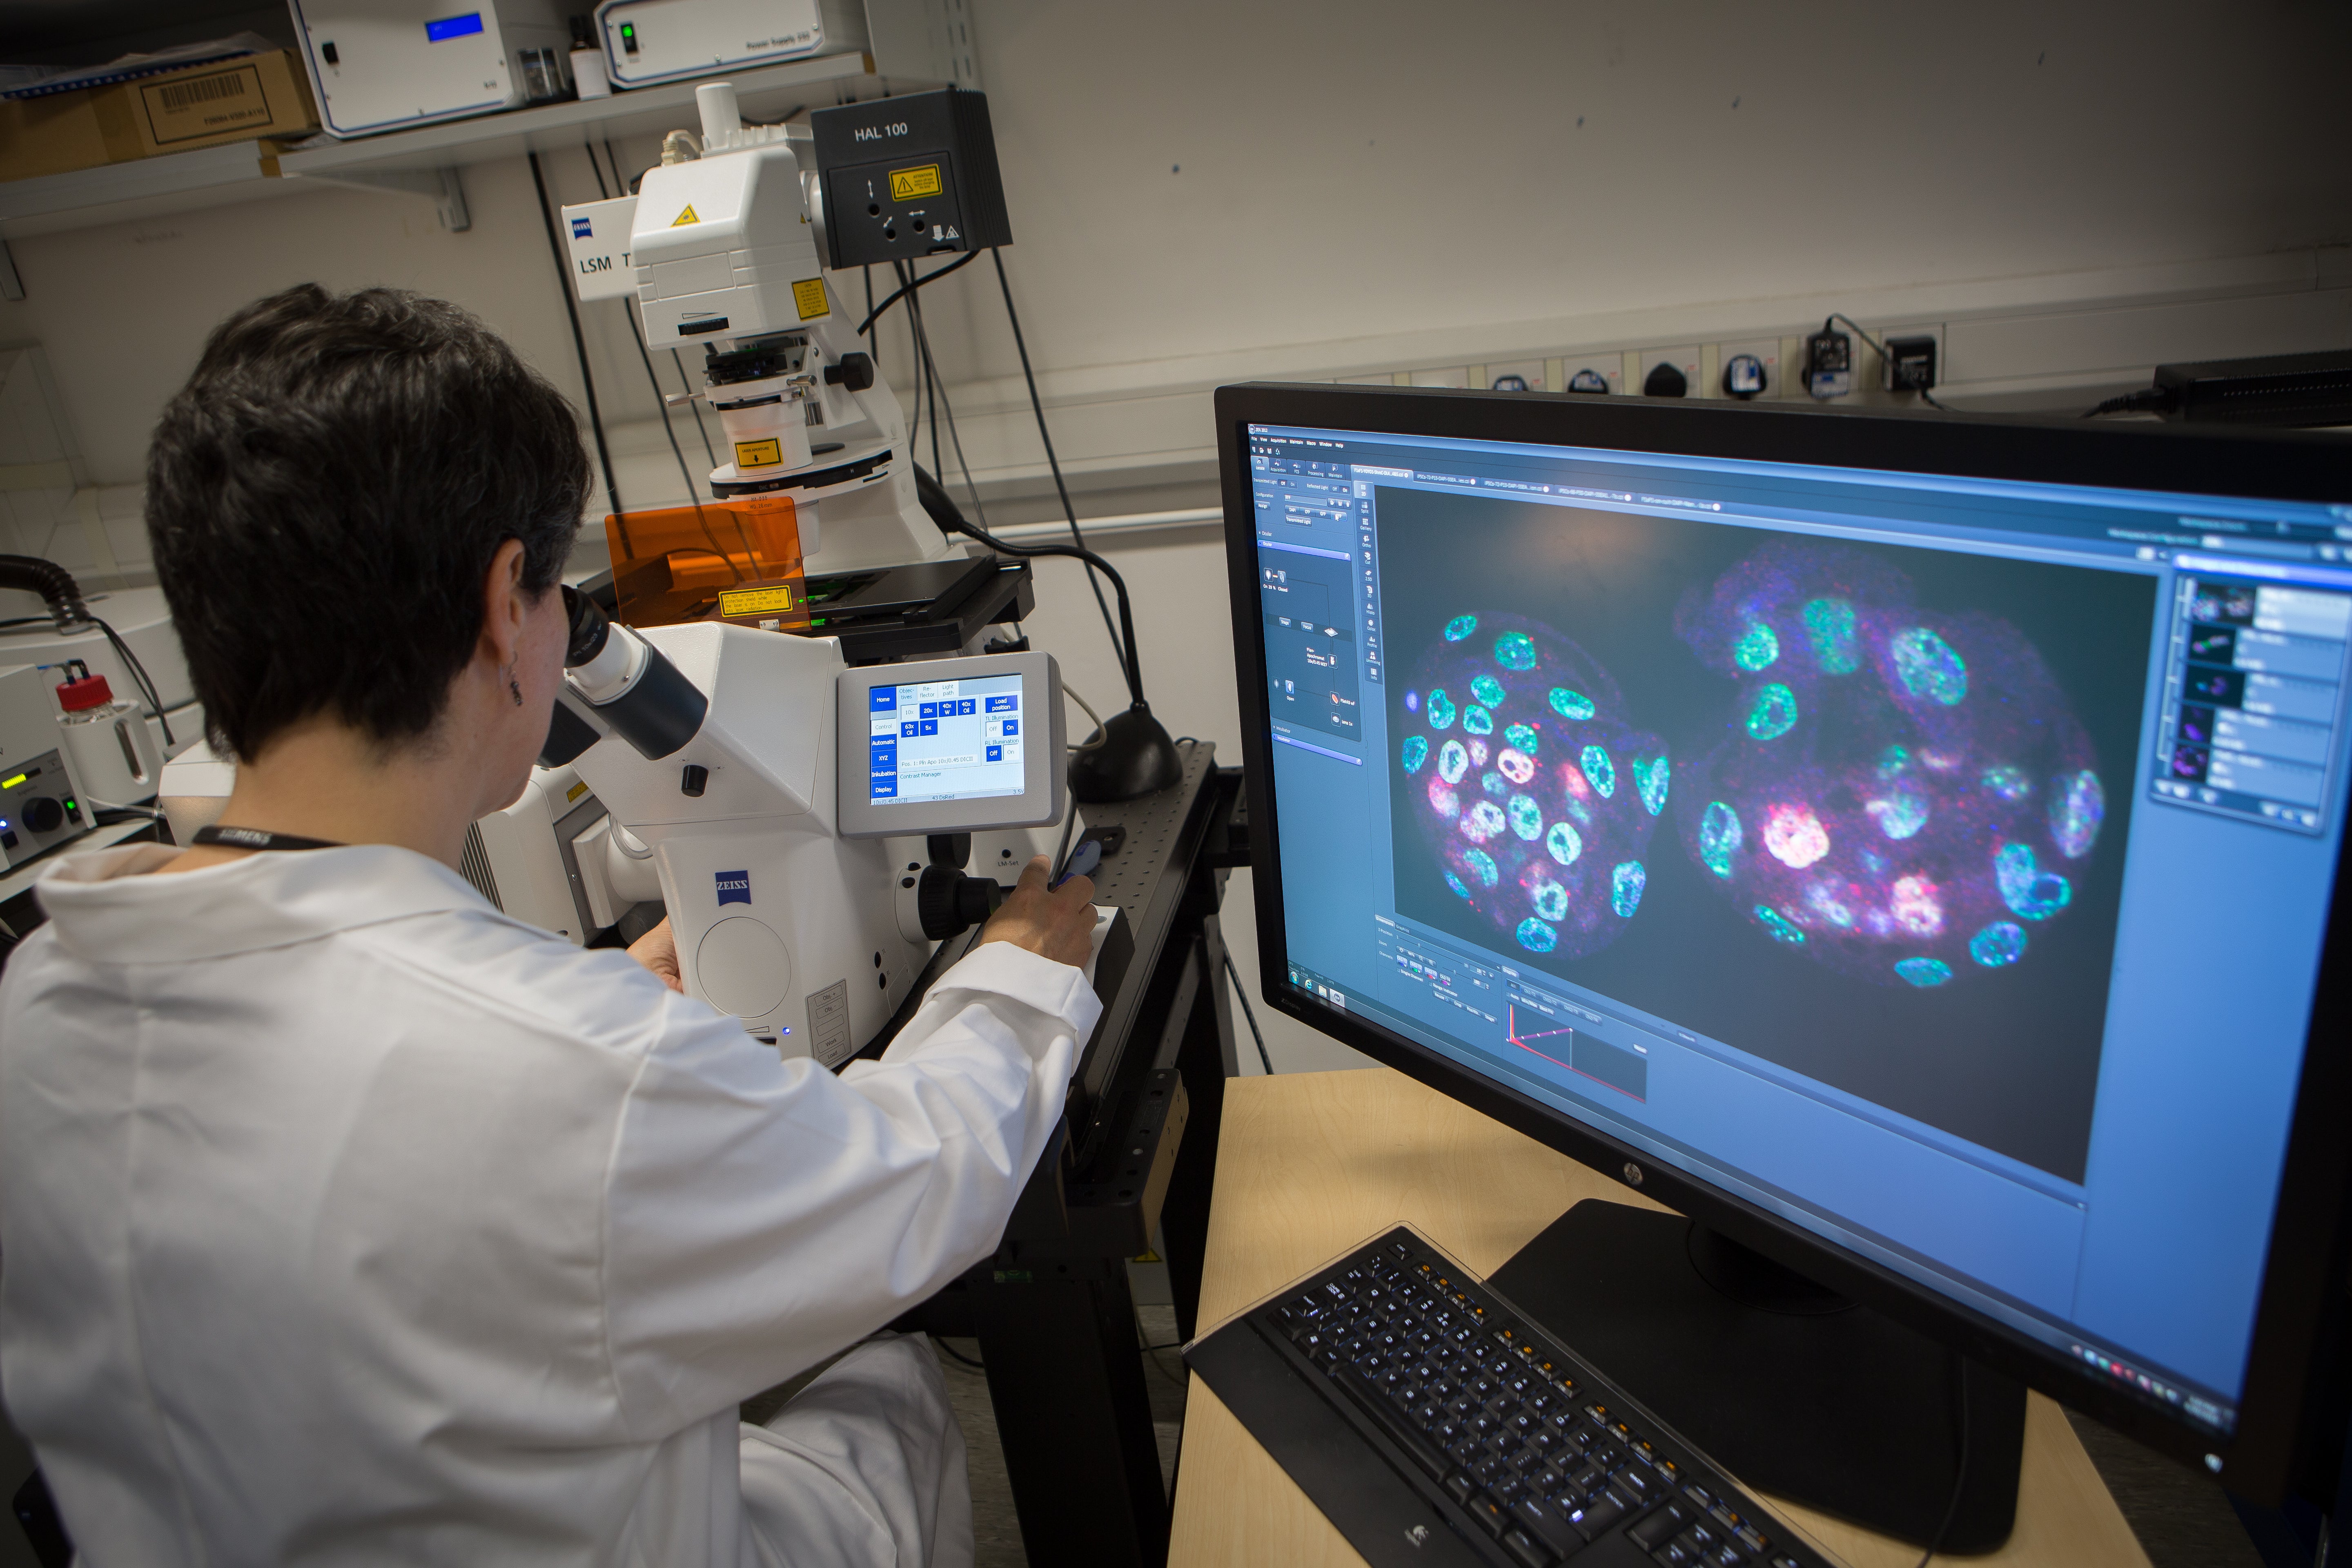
[1432,1424]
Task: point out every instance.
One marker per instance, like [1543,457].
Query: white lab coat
[346,1220]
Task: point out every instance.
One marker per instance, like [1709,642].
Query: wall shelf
[420,162]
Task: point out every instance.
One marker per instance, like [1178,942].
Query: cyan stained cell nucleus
[1625,885]
[1537,937]
[1515,650]
[1487,689]
[2077,806]
[1894,761]
[1782,927]
[1455,882]
[1476,720]
[1526,816]
[1441,711]
[1550,900]
[1899,813]
[1482,822]
[1600,772]
[1482,866]
[1416,752]
[1516,765]
[2030,891]
[1999,946]
[1524,737]
[1924,971]
[1570,704]
[1773,713]
[1494,784]
[1460,626]
[1565,843]
[1829,627]
[1928,667]
[1718,837]
[2009,784]
[1452,761]
[1757,647]
[1650,777]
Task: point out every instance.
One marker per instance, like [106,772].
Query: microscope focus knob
[855,372]
[947,901]
[43,815]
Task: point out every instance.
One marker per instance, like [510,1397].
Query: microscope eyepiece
[588,628]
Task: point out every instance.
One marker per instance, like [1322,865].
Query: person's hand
[1058,925]
[657,950]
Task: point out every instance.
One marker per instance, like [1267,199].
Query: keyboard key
[1547,1524]
[1510,1489]
[1489,1514]
[1594,1520]
[1699,1495]
[1702,1537]
[1660,1527]
[1460,1485]
[1674,1555]
[1753,1538]
[1727,1555]
[1525,1551]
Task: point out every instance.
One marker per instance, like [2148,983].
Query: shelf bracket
[446,190]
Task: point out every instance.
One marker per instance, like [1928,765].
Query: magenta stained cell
[1898,794]
[1553,853]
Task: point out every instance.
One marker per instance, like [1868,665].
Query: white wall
[1218,190]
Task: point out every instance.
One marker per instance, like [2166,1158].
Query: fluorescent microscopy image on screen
[1902,794]
[1544,794]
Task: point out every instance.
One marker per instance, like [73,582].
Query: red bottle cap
[90,692]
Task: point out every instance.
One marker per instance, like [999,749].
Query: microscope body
[779,920]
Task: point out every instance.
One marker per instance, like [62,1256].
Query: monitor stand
[1794,1390]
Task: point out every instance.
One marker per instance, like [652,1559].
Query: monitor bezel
[2281,1437]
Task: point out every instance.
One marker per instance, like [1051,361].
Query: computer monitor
[1908,846]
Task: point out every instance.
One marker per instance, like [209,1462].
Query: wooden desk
[1312,1164]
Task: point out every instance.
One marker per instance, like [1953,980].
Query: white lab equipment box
[651,41]
[386,65]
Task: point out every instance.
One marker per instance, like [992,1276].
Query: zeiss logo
[734,887]
[579,229]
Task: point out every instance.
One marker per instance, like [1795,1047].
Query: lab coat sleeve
[760,1218]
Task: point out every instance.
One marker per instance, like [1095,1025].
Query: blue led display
[448,27]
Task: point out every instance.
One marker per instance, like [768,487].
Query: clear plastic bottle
[113,757]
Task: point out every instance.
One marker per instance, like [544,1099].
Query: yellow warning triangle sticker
[685,217]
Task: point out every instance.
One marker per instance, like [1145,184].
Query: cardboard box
[203,106]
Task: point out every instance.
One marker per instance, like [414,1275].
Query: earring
[513,685]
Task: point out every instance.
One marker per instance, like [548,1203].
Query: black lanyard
[255,839]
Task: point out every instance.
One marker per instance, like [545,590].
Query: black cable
[1926,397]
[578,343]
[1960,1472]
[695,404]
[907,284]
[138,677]
[955,437]
[932,395]
[1248,1012]
[955,522]
[950,1351]
[1052,464]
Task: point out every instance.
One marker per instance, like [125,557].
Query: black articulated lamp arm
[1135,755]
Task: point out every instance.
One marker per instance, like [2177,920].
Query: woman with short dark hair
[348,1219]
